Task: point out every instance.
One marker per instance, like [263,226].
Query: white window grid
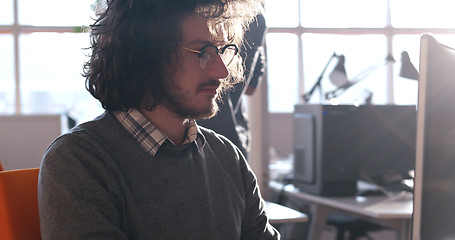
[388,31]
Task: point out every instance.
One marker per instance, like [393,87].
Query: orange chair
[1,165]
[19,219]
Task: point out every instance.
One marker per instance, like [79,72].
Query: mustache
[210,83]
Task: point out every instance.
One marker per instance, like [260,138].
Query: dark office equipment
[325,154]
[386,144]
[334,146]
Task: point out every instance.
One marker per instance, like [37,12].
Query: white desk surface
[281,214]
[399,206]
[395,211]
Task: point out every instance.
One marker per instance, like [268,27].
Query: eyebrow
[206,42]
[200,41]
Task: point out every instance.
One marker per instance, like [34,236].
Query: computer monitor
[334,145]
[434,188]
[386,142]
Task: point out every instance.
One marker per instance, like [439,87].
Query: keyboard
[368,189]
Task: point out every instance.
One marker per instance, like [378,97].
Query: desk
[280,214]
[394,212]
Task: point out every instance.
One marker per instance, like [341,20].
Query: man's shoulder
[218,141]
[103,124]
[212,136]
[95,139]
[88,133]
[225,152]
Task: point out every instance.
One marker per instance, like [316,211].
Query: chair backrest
[19,219]
[1,165]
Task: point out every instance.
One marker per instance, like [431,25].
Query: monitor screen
[386,144]
[434,188]
[336,143]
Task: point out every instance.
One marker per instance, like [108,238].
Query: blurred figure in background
[232,120]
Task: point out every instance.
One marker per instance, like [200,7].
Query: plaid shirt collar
[148,136]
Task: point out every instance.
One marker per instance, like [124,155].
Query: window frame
[388,31]
[16,30]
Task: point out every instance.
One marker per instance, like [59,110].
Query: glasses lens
[207,55]
[227,55]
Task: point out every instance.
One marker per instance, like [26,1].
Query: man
[144,169]
[231,120]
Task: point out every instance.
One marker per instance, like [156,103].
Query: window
[6,72]
[42,49]
[303,36]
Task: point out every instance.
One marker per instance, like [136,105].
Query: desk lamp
[347,84]
[338,76]
[407,69]
[307,96]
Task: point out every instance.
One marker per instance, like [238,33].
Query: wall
[24,138]
[281,133]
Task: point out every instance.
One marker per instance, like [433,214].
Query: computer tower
[325,149]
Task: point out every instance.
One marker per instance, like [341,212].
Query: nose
[217,70]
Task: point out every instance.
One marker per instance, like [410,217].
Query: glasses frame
[219,51]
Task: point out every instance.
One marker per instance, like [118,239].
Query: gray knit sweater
[96,182]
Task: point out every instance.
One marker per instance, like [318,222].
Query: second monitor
[387,140]
[335,145]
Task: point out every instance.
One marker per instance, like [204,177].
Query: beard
[180,103]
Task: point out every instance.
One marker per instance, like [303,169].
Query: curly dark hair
[133,41]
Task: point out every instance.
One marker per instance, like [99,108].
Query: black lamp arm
[306,97]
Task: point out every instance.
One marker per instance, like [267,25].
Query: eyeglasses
[208,53]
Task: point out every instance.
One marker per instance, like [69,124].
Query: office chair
[354,226]
[19,219]
[1,165]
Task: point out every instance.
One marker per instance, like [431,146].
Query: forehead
[195,29]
